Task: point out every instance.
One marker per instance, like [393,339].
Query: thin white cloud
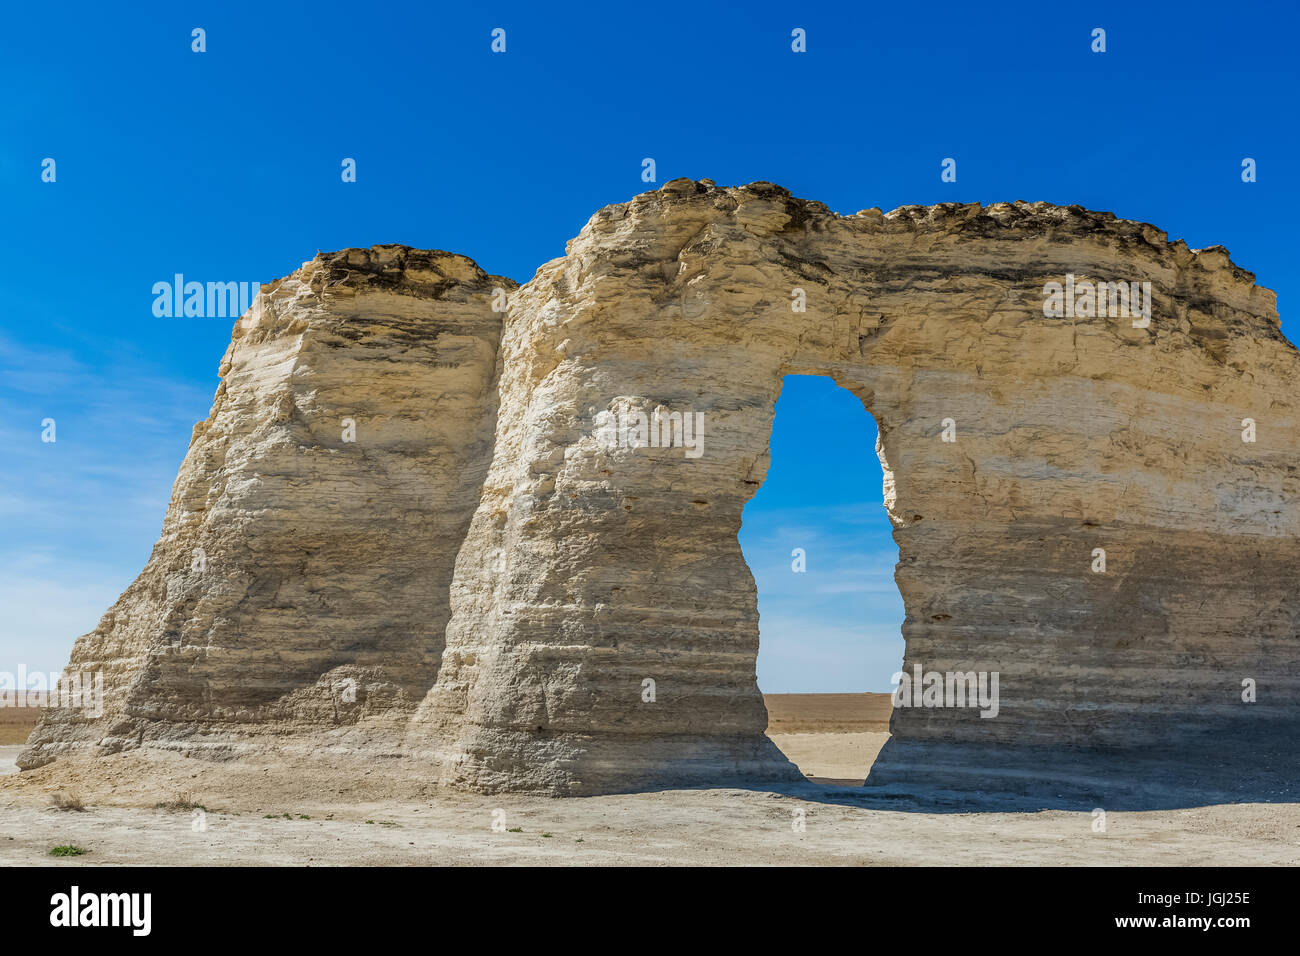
[81,514]
[44,615]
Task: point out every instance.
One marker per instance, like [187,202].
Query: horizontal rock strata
[300,583]
[600,628]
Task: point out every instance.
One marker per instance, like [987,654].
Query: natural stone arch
[1072,435]
[586,569]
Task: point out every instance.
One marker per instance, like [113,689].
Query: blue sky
[225,166]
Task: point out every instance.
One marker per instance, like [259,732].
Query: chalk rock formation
[300,581]
[600,628]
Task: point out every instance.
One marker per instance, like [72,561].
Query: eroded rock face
[587,568]
[300,581]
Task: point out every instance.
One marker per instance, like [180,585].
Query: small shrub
[67,850]
[182,801]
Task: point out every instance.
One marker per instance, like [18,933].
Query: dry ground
[281,814]
[832,738]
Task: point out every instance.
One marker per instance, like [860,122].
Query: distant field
[828,713]
[16,723]
[787,714]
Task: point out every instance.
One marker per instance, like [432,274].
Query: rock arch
[583,568]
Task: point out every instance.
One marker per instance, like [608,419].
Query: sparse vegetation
[547,836]
[515,830]
[64,801]
[182,801]
[67,850]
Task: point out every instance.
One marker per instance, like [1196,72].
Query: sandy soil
[282,814]
[832,738]
[837,759]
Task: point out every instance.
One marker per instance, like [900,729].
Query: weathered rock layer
[599,629]
[300,581]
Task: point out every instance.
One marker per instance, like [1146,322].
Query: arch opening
[818,540]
